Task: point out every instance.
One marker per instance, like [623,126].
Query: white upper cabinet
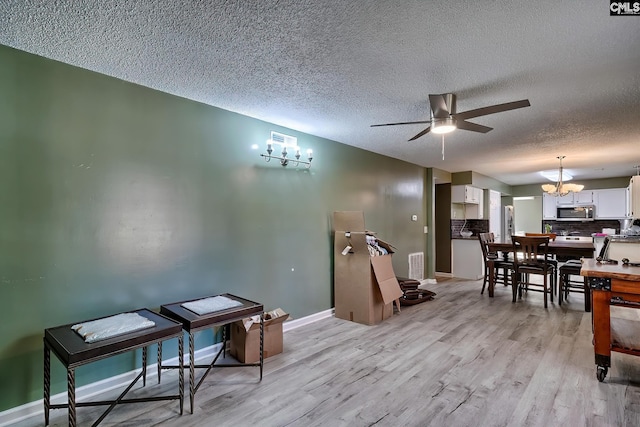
[611,203]
[466,194]
[549,206]
[583,198]
[634,196]
[471,197]
[565,200]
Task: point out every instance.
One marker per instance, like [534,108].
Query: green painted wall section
[115,197]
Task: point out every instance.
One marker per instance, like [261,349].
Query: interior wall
[117,197]
[527,215]
[443,228]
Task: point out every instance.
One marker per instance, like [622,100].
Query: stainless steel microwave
[575,213]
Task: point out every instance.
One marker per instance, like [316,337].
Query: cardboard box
[245,337]
[359,295]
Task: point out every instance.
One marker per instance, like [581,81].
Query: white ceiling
[332,68]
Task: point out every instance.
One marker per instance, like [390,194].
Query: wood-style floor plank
[463,359]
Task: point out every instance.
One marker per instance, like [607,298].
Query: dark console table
[192,323]
[73,351]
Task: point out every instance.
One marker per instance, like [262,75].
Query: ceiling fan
[444,118]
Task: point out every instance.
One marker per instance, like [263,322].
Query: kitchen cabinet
[549,206]
[634,196]
[466,258]
[629,202]
[567,199]
[471,198]
[466,194]
[584,197]
[611,203]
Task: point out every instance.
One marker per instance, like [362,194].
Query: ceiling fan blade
[424,132]
[441,105]
[402,123]
[474,127]
[498,108]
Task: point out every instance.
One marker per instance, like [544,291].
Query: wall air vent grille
[416,266]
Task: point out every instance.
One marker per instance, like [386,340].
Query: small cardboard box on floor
[245,336]
[365,286]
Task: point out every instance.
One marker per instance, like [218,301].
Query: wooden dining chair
[553,260]
[572,268]
[499,264]
[531,257]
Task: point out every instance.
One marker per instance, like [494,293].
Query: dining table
[560,248]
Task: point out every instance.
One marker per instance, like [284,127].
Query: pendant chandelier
[560,188]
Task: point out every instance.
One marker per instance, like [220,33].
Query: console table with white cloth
[81,343]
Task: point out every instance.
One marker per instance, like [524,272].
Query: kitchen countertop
[474,237]
[624,238]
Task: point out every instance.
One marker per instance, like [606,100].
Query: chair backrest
[551,236]
[484,239]
[530,250]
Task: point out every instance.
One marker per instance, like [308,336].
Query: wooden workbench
[612,285]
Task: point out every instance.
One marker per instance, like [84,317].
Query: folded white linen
[211,304]
[111,326]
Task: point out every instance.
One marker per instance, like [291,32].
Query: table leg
[492,273]
[144,366]
[47,383]
[224,340]
[192,390]
[601,327]
[587,296]
[71,396]
[261,344]
[180,372]
[160,360]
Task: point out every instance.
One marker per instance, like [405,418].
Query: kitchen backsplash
[581,228]
[475,225]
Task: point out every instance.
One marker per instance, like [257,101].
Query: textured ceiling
[332,68]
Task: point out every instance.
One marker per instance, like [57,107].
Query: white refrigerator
[508,223]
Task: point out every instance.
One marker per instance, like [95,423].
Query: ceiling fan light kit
[445,119]
[442,126]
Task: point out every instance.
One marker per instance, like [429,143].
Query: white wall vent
[416,266]
[283,140]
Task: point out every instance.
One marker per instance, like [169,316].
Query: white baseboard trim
[296,323]
[19,413]
[32,409]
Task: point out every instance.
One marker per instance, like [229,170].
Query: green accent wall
[114,197]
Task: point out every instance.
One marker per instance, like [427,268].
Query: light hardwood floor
[463,359]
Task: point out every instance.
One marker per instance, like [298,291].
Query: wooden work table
[612,285]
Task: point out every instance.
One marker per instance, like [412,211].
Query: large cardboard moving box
[245,336]
[360,294]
